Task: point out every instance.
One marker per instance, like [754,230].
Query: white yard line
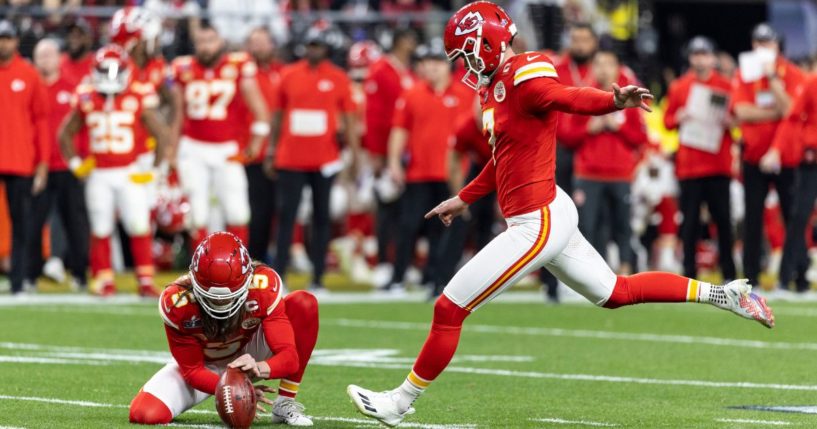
[576,333]
[755,422]
[47,360]
[573,422]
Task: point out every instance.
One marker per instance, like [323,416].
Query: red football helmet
[480,32]
[362,55]
[221,272]
[172,207]
[110,72]
[131,25]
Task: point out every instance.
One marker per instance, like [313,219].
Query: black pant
[386,223]
[290,187]
[68,193]
[262,210]
[795,255]
[606,201]
[756,184]
[417,200]
[18,195]
[714,191]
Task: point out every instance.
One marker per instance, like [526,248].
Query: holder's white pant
[548,238]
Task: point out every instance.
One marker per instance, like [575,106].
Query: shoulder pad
[531,65]
[176,304]
[266,288]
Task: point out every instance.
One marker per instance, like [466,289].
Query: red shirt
[213,111]
[311,100]
[801,123]
[24,133]
[471,142]
[386,80]
[115,131]
[152,74]
[758,136]
[430,118]
[690,162]
[268,79]
[75,70]
[519,114]
[610,155]
[192,350]
[59,97]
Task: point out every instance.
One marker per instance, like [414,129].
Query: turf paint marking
[806,409]
[577,333]
[755,422]
[89,404]
[573,422]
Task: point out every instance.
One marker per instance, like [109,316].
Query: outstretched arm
[539,95]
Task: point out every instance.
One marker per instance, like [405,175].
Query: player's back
[212,96]
[524,142]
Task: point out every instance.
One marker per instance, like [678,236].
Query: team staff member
[261,47]
[63,188]
[24,145]
[315,98]
[425,121]
[704,175]
[759,107]
[802,123]
[388,78]
[604,163]
[75,63]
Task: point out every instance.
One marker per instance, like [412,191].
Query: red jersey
[268,79]
[610,155]
[24,133]
[758,136]
[191,349]
[311,100]
[471,142]
[74,71]
[519,114]
[430,118]
[152,74]
[59,97]
[692,162]
[801,122]
[115,124]
[213,111]
[387,79]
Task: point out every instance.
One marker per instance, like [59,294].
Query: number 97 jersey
[213,111]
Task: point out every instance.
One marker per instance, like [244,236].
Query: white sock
[409,391]
[712,294]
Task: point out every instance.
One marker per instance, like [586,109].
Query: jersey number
[111,132]
[488,125]
[199,94]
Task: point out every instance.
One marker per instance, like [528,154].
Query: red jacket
[383,86]
[609,155]
[798,133]
[24,134]
[59,96]
[690,162]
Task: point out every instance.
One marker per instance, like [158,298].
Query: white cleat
[289,412]
[741,301]
[381,406]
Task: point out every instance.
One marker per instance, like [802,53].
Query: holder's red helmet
[480,32]
[110,72]
[221,272]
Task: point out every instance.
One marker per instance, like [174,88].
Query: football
[235,399]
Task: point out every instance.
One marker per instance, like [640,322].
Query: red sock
[146,409]
[441,343]
[302,311]
[652,287]
[141,248]
[100,255]
[240,231]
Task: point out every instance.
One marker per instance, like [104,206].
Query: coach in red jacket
[24,145]
[703,172]
[606,156]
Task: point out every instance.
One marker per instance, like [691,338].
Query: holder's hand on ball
[260,389]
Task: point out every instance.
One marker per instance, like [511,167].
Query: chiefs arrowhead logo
[469,23]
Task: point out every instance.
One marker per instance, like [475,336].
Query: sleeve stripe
[534,73]
[536,65]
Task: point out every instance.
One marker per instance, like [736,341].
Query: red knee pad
[447,313]
[303,300]
[146,409]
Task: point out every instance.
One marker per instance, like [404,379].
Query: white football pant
[112,191]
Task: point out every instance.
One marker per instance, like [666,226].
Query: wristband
[260,128]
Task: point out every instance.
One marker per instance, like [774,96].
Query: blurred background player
[64,190]
[423,131]
[261,46]
[313,106]
[117,112]
[213,86]
[24,145]
[388,78]
[77,60]
[704,173]
[230,312]
[759,106]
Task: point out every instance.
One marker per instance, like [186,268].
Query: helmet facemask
[219,302]
[475,75]
[109,77]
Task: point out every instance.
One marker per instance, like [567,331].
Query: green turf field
[77,365]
